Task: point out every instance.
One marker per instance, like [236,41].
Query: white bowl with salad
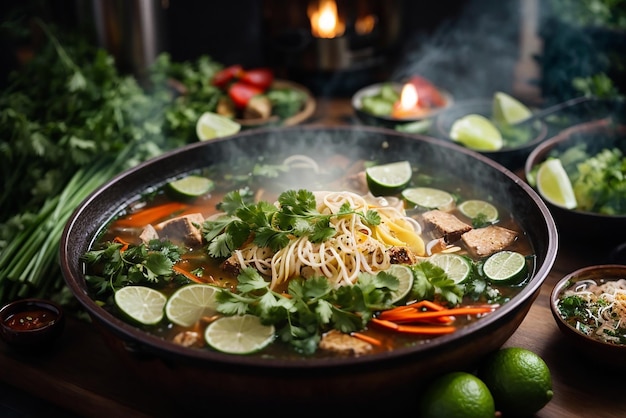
[581,175]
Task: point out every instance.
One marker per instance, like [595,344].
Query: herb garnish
[273,226]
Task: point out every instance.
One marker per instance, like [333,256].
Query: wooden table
[85,378]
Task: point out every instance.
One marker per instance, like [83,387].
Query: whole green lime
[457,394]
[519,380]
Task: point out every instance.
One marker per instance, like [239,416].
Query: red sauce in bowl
[31,319]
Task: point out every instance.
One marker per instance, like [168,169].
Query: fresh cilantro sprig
[150,264]
[311,306]
[273,226]
[431,282]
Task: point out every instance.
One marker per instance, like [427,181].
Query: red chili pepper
[259,77]
[241,93]
[427,93]
[225,76]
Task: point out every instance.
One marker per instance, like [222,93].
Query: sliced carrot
[418,316]
[425,330]
[125,244]
[187,274]
[367,338]
[151,215]
[384,323]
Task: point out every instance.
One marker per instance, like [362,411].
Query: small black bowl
[31,323]
[613,355]
[390,122]
[512,157]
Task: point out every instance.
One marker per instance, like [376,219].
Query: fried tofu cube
[184,229]
[447,225]
[483,242]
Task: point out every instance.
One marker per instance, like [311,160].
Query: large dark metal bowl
[193,373]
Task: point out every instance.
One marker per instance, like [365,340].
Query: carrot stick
[151,215]
[187,274]
[366,338]
[417,316]
[385,324]
[425,330]
[121,241]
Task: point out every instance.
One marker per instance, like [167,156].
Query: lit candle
[408,105]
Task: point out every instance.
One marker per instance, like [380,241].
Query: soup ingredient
[404,274]
[554,185]
[211,125]
[429,198]
[310,307]
[259,77]
[506,267]
[192,186]
[239,334]
[381,104]
[140,303]
[456,267]
[596,309]
[241,93]
[476,132]
[519,380]
[388,179]
[479,211]
[188,304]
[457,395]
[507,110]
[223,77]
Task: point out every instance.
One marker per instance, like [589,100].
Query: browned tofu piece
[483,242]
[184,229]
[345,344]
[148,234]
[447,225]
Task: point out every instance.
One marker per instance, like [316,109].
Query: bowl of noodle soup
[324,168]
[589,307]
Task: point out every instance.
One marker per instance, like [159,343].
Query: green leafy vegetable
[271,226]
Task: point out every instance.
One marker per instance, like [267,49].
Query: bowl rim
[153,343]
[371,89]
[566,282]
[539,154]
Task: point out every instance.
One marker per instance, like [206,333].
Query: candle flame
[325,22]
[408,97]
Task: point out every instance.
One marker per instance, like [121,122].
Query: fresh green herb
[431,282]
[574,308]
[144,264]
[272,226]
[286,102]
[311,307]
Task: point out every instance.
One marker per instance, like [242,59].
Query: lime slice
[211,125]
[190,303]
[475,208]
[476,132]
[404,274]
[457,267]
[192,186]
[508,110]
[388,179]
[554,184]
[429,198]
[239,334]
[140,303]
[506,267]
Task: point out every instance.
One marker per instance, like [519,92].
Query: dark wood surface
[83,377]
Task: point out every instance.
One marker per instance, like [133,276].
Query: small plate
[388,121]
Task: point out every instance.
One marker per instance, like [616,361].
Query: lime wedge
[239,334]
[142,304]
[506,267]
[190,303]
[192,186]
[475,208]
[554,184]
[404,274]
[211,125]
[507,110]
[388,179]
[457,267]
[429,198]
[476,132]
